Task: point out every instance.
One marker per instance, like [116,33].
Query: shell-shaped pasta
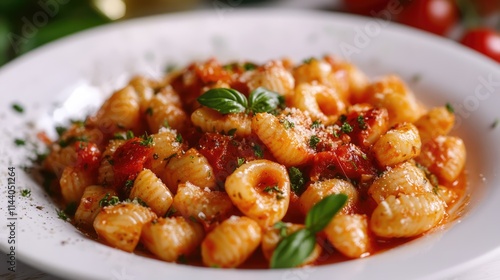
[152,191]
[73,183]
[171,238]
[438,121]
[163,111]
[447,195]
[392,93]
[271,237]
[319,190]
[322,103]
[231,242]
[261,190]
[407,215]
[120,112]
[397,145]
[444,156]
[314,70]
[165,147]
[58,159]
[274,77]
[145,90]
[105,174]
[357,82]
[349,235]
[202,204]
[89,205]
[190,166]
[289,145]
[404,178]
[210,120]
[120,225]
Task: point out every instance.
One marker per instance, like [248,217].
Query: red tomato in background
[364,7]
[483,40]
[436,16]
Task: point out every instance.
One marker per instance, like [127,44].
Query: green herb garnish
[287,124]
[346,127]
[19,142]
[147,141]
[450,108]
[25,193]
[258,151]
[18,108]
[61,215]
[178,138]
[241,161]
[361,122]
[316,124]
[226,100]
[313,141]
[60,130]
[297,180]
[296,247]
[108,201]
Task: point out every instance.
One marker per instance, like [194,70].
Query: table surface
[489,270]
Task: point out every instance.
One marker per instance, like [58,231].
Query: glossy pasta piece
[407,215]
[404,178]
[105,174]
[120,225]
[210,120]
[437,122]
[120,112]
[392,93]
[321,102]
[289,145]
[272,76]
[444,156]
[261,190]
[314,70]
[171,238]
[73,183]
[447,195]
[190,166]
[353,81]
[152,191]
[59,158]
[319,190]
[163,111]
[231,242]
[272,236]
[89,205]
[202,204]
[399,144]
[349,235]
[166,145]
[144,89]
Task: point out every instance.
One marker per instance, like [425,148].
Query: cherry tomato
[436,16]
[129,159]
[483,40]
[88,155]
[364,7]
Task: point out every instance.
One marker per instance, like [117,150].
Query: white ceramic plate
[59,81]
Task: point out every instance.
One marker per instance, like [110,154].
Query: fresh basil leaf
[293,249]
[322,212]
[263,100]
[224,100]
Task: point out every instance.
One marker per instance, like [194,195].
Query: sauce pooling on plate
[255,166]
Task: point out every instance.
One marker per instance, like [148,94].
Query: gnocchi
[226,179]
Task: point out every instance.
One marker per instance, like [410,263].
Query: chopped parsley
[108,201]
[129,184]
[170,212]
[241,161]
[19,142]
[313,141]
[258,151]
[60,130]
[61,215]
[129,134]
[316,124]
[166,124]
[271,189]
[18,108]
[136,200]
[178,138]
[147,141]
[450,108]
[66,142]
[308,60]
[297,180]
[346,127]
[249,66]
[287,124]
[361,122]
[25,193]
